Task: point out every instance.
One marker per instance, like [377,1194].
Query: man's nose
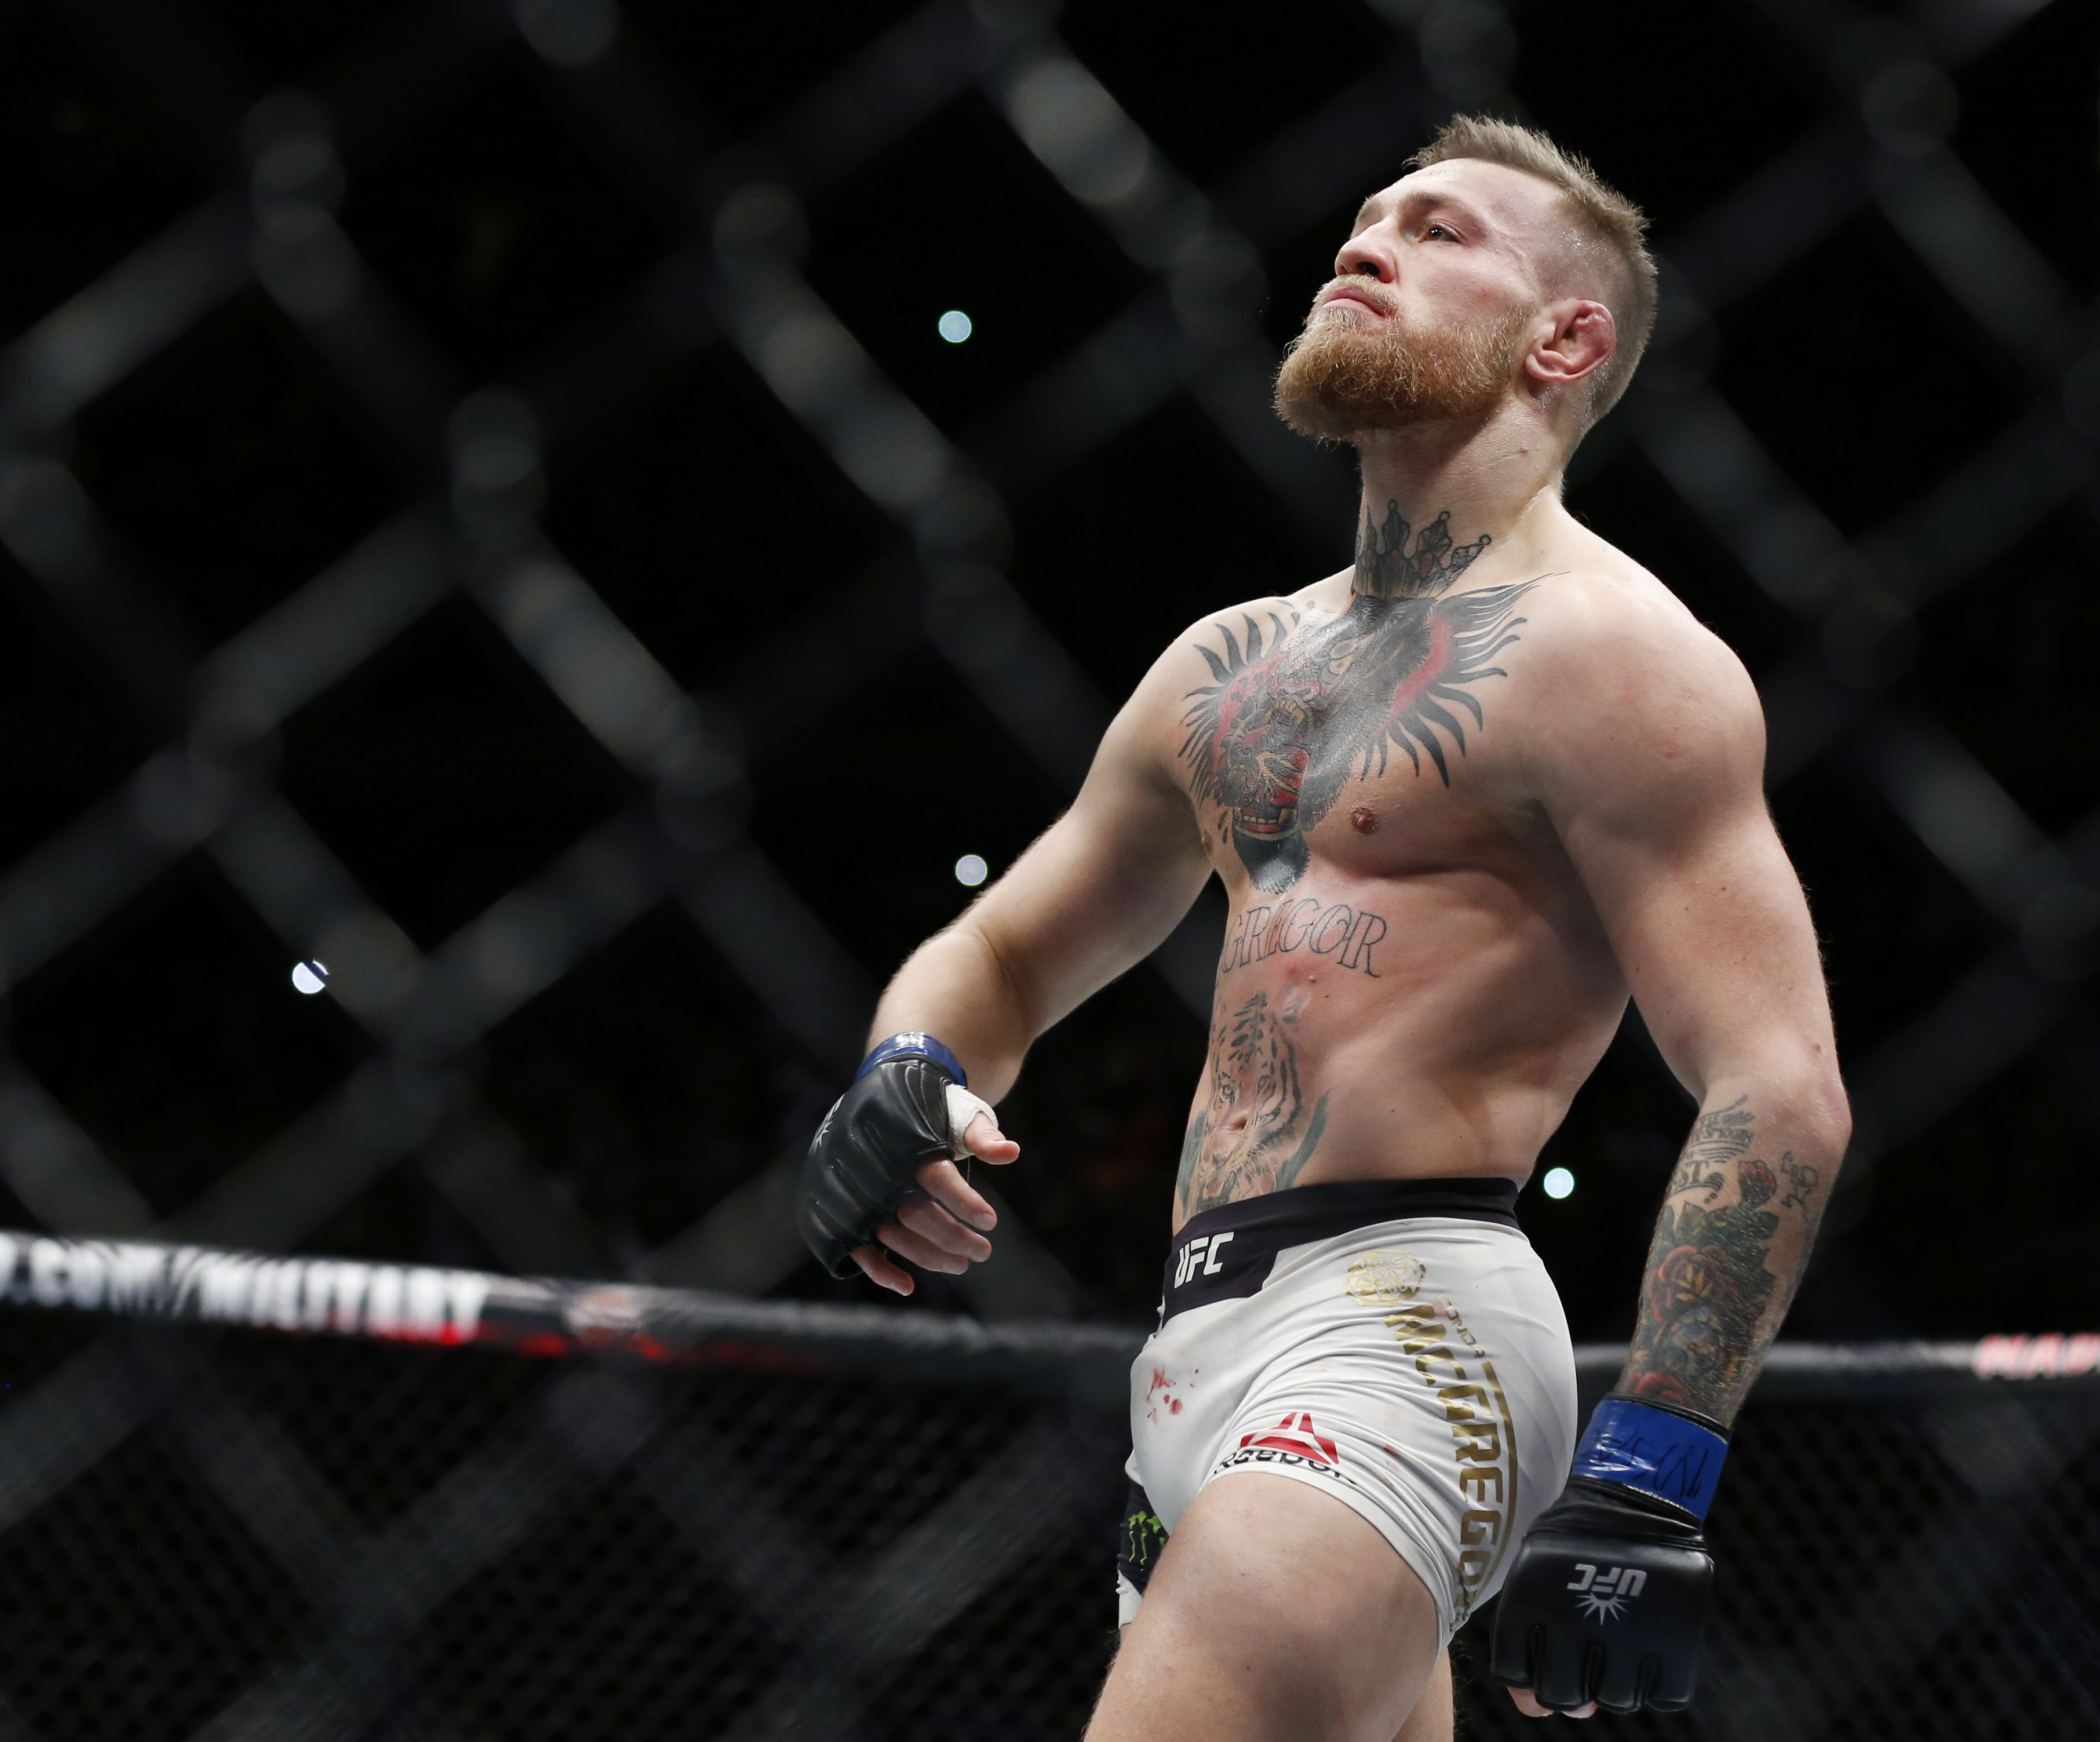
[1368,255]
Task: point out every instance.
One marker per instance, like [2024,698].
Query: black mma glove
[1607,1597]
[865,1159]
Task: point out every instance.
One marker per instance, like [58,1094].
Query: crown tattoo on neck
[1387,569]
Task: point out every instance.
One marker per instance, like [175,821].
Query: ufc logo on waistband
[1195,1262]
[1605,1596]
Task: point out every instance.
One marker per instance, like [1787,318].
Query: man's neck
[1435,498]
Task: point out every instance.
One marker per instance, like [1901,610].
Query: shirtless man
[1466,796]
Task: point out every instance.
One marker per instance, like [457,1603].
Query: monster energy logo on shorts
[1143,1537]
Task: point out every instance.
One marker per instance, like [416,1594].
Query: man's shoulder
[1229,638]
[1606,622]
[1270,618]
[1628,694]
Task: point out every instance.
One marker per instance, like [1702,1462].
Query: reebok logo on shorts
[1294,1440]
[1295,1433]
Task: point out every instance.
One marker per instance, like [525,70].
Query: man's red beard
[1349,373]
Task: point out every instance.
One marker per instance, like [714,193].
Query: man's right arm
[1097,892]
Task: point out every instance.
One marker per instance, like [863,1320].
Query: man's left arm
[1650,766]
[1657,795]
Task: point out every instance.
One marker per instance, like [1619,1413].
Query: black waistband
[1320,1212]
[1226,1254]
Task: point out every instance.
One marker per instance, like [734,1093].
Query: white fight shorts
[1395,1343]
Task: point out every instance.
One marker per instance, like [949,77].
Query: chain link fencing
[615,1510]
[488,423]
[247,1498]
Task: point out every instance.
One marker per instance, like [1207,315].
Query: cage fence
[253,1497]
[724,264]
[271,1498]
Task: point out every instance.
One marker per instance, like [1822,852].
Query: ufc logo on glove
[1606,1598]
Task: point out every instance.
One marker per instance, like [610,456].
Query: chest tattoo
[1300,709]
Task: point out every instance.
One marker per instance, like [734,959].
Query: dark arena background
[542,549]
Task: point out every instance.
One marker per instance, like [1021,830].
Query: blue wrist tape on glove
[1657,1451]
[912,1044]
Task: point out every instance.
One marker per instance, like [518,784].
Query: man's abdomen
[1397,1029]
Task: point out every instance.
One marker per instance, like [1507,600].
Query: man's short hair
[1609,228]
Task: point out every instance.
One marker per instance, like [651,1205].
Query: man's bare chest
[1382,702]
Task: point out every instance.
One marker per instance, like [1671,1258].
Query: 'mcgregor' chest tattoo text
[1298,712]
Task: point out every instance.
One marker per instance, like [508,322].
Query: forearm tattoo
[1254,1132]
[1300,708]
[1734,1233]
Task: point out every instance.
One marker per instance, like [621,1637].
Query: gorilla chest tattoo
[1298,710]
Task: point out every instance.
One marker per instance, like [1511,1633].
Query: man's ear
[1583,338]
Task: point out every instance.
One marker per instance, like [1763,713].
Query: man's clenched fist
[1607,1600]
[880,1177]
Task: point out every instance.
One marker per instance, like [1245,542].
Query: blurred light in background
[310,977]
[1557,1183]
[954,326]
[971,870]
